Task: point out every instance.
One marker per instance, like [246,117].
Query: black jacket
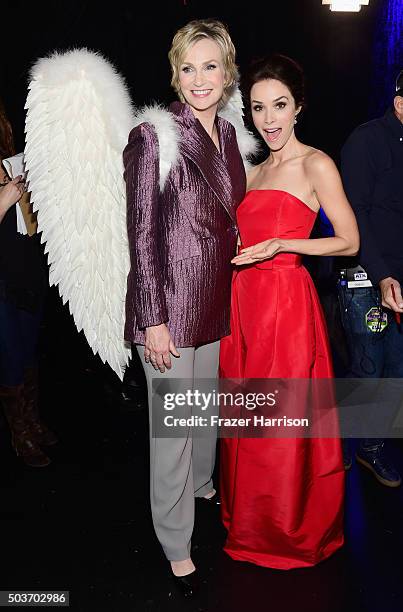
[372,172]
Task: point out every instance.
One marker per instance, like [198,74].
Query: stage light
[352,6]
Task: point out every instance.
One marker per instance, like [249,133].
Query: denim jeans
[374,339]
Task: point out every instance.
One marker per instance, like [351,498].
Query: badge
[376,320]
[359,283]
[357,277]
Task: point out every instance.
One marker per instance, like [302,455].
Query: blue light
[326,228]
[388,55]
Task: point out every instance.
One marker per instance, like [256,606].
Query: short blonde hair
[191,33]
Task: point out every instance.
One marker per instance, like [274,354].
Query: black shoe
[214,500]
[188,585]
[374,459]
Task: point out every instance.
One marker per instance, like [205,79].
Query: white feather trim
[79,116]
[168,136]
[233,112]
[163,121]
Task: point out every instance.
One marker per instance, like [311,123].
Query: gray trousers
[180,468]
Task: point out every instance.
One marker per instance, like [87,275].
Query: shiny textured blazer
[182,238]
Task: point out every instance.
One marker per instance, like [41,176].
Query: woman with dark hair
[22,289]
[282,498]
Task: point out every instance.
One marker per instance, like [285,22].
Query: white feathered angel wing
[79,115]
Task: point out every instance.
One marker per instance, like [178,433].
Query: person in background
[22,290]
[370,290]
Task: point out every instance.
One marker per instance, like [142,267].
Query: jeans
[374,339]
[19,331]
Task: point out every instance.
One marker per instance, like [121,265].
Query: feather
[167,132]
[233,112]
[79,115]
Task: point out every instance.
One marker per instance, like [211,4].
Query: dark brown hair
[281,68]
[7,148]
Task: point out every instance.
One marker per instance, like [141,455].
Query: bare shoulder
[316,162]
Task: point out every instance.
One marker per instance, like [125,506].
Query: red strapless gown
[282,499]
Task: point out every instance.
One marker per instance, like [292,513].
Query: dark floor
[83,524]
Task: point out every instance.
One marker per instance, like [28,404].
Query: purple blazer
[182,239]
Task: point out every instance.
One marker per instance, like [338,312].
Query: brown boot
[41,433]
[22,439]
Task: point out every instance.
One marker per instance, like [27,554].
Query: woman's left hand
[258,252]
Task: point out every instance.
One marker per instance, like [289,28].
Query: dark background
[342,54]
[83,523]
[336,50]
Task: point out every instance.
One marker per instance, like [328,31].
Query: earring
[295,120]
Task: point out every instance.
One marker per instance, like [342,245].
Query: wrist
[155,328]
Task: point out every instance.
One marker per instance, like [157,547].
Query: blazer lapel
[197,146]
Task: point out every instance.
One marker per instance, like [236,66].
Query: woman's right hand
[158,346]
[11,193]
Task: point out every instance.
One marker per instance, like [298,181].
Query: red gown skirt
[282,498]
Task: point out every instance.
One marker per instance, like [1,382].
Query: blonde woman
[182,236]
